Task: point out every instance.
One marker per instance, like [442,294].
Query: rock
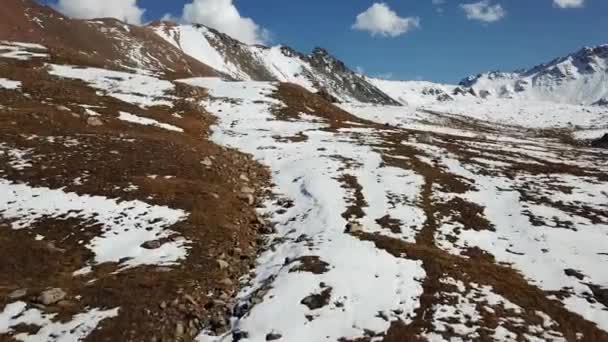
[574,273]
[179,329]
[214,195]
[63,108]
[244,177]
[317,301]
[247,198]
[190,299]
[207,162]
[17,294]
[163,305]
[51,246]
[66,304]
[94,121]
[247,190]
[601,142]
[273,336]
[353,227]
[222,264]
[151,244]
[227,282]
[238,335]
[51,296]
[324,94]
[425,138]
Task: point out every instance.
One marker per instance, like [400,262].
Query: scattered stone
[227,282]
[207,162]
[151,244]
[66,304]
[223,264]
[94,121]
[247,190]
[51,246]
[273,336]
[179,329]
[317,301]
[247,198]
[51,296]
[17,294]
[190,299]
[601,142]
[353,227]
[574,273]
[239,335]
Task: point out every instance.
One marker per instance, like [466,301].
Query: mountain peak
[318,71]
[577,78]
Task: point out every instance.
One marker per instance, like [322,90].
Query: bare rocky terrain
[147,196]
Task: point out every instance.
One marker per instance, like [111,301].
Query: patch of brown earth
[119,160]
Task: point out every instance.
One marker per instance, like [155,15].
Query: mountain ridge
[580,77]
[318,71]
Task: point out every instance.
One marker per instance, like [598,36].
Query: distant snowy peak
[317,72]
[579,78]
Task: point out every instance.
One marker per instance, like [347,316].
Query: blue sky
[446,46]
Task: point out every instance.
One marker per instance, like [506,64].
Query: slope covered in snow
[579,78]
[434,228]
[318,71]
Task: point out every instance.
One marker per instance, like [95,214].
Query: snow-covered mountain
[415,93]
[579,78]
[317,71]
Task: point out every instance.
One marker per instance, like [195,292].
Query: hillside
[318,71]
[579,78]
[206,190]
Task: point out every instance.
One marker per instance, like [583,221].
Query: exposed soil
[121,160]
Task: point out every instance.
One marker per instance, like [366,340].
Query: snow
[363,279]
[124,116]
[18,159]
[284,68]
[139,89]
[126,225]
[531,113]
[9,84]
[525,113]
[579,78]
[21,51]
[76,329]
[411,93]
[590,134]
[541,254]
[195,42]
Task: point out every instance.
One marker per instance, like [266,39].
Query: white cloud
[568,3]
[379,19]
[223,16]
[438,5]
[484,11]
[125,10]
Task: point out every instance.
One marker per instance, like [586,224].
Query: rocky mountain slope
[102,43]
[145,198]
[318,71]
[579,78]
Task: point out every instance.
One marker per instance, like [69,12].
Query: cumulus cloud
[568,3]
[223,16]
[379,19]
[484,11]
[125,10]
